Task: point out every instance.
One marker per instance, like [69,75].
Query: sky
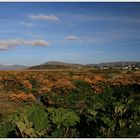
[33,33]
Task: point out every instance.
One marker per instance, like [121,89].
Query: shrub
[22,97]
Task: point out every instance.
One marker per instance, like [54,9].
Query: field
[82,103]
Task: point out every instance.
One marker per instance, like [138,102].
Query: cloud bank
[9,44]
[51,17]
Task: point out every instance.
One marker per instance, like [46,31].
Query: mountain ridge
[64,65]
[56,65]
[13,67]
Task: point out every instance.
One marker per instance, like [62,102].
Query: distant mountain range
[51,65]
[117,64]
[13,67]
[61,65]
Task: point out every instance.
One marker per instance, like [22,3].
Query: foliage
[39,117]
[111,114]
[104,103]
[6,130]
[32,122]
[62,117]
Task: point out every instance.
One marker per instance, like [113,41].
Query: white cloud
[51,17]
[27,24]
[71,37]
[9,44]
[42,43]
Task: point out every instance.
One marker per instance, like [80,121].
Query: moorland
[71,103]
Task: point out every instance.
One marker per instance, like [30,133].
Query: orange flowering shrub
[47,83]
[39,82]
[88,80]
[98,78]
[77,77]
[62,85]
[0,78]
[27,84]
[21,97]
[44,90]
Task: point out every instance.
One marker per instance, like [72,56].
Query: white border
[70,1]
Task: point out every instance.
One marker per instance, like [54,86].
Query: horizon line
[120,61]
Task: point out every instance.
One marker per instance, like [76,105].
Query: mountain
[116,64]
[62,63]
[55,65]
[13,67]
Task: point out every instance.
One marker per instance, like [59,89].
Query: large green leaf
[63,117]
[5,129]
[39,117]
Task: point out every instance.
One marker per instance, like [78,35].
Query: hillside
[61,65]
[13,67]
[116,64]
[55,65]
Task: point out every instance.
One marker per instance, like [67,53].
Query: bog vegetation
[69,104]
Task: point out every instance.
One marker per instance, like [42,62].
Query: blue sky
[34,33]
